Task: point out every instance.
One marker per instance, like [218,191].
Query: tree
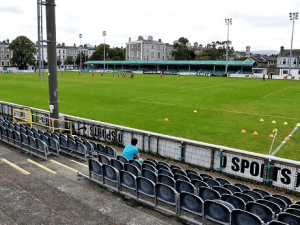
[83,59]
[181,50]
[23,52]
[218,52]
[99,53]
[117,54]
[69,60]
[58,61]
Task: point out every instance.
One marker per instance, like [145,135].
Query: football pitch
[207,109]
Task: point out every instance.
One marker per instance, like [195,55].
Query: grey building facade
[5,53]
[148,50]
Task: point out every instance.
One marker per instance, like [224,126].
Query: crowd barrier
[282,173]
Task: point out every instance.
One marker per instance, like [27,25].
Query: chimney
[281,49]
[63,44]
[85,45]
[130,39]
[74,45]
[7,41]
[140,38]
[196,44]
[159,40]
[150,38]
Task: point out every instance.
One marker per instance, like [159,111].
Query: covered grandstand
[174,66]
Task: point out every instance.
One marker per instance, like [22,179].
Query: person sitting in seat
[131,152]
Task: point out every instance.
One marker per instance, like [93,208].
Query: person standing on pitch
[131,152]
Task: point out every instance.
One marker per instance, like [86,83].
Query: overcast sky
[261,24]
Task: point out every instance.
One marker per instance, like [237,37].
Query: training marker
[166,119]
[285,123]
[261,120]
[287,138]
[298,125]
[255,133]
[273,121]
[243,131]
[271,135]
[195,111]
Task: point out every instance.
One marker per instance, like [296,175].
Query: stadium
[213,142]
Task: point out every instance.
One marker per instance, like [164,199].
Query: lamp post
[293,16]
[228,22]
[80,36]
[104,34]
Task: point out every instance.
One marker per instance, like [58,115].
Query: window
[138,54]
[294,61]
[158,55]
[63,57]
[284,61]
[163,49]
[298,71]
[285,72]
[158,47]
[2,55]
[132,54]
[58,51]
[2,63]
[152,54]
[7,63]
[7,56]
[152,46]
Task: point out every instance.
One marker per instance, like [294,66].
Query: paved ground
[65,198]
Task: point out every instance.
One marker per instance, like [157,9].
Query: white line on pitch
[221,110]
[275,92]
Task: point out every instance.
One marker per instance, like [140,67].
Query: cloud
[11,9]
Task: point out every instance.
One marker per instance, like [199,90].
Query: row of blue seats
[207,203]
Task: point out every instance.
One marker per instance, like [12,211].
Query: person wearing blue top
[131,152]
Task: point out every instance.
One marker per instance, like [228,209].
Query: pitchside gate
[279,172]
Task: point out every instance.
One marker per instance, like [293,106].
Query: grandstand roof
[175,62]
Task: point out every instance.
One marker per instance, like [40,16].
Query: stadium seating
[264,212]
[241,217]
[218,211]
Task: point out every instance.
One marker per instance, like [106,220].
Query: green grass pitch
[224,106]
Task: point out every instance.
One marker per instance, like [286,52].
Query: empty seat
[287,200]
[295,206]
[132,169]
[127,180]
[71,145]
[191,172]
[199,183]
[245,197]
[117,164]
[164,179]
[264,212]
[89,147]
[221,190]
[190,203]
[204,175]
[222,181]
[232,188]
[161,166]
[242,186]
[136,163]
[253,194]
[149,175]
[180,172]
[218,211]
[44,139]
[81,149]
[17,138]
[274,222]
[63,142]
[183,186]
[110,151]
[241,217]
[53,145]
[194,176]
[289,218]
[262,192]
[42,148]
[36,136]
[150,162]
[211,182]
[175,167]
[95,168]
[101,149]
[165,172]
[235,201]
[292,211]
[122,159]
[272,205]
[208,193]
[166,194]
[278,201]
[181,177]
[110,173]
[149,167]
[163,163]
[104,159]
[145,187]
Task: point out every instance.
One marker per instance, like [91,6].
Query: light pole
[228,22]
[104,34]
[80,36]
[293,16]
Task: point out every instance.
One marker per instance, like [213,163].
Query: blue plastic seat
[122,159]
[95,168]
[295,212]
[166,194]
[232,188]
[206,193]
[264,212]
[242,186]
[262,192]
[222,181]
[164,179]
[194,177]
[149,175]
[241,217]
[278,201]
[150,162]
[235,201]
[111,152]
[181,177]
[245,197]
[127,180]
[253,194]
[165,172]
[101,148]
[218,211]
[183,186]
[53,145]
[180,172]
[117,164]
[275,207]
[104,159]
[136,163]
[286,199]
[288,218]
[149,167]
[211,182]
[132,169]
[221,190]
[110,173]
[145,187]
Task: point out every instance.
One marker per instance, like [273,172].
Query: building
[6,53]
[283,62]
[148,50]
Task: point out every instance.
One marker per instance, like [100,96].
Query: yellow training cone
[271,136]
[255,133]
[273,121]
[243,131]
[287,138]
[195,111]
[298,125]
[285,123]
[261,120]
[166,119]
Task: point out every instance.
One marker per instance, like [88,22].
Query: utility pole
[293,16]
[104,34]
[52,61]
[80,36]
[228,22]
